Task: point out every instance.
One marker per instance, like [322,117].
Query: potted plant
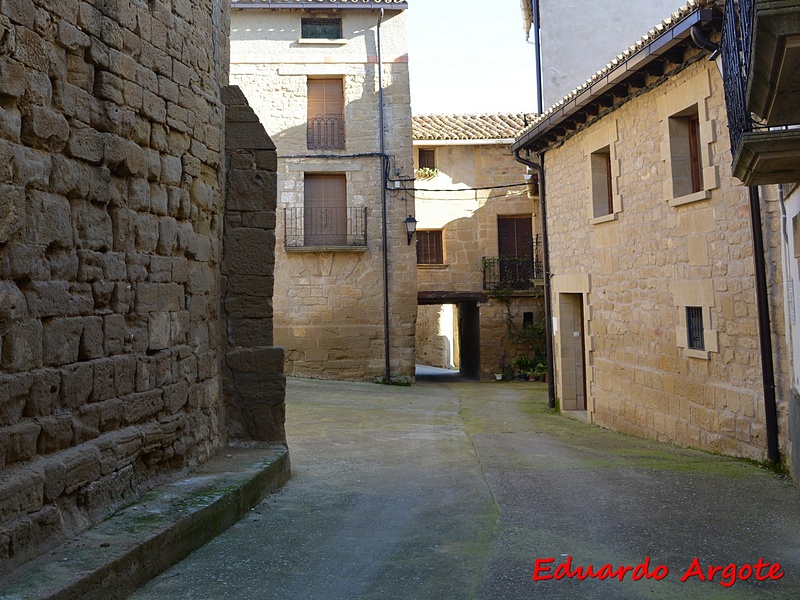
[540,372]
[522,365]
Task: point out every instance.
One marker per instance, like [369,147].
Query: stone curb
[114,558]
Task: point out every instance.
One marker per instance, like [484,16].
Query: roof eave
[622,71]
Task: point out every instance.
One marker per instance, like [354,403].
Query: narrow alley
[455,490]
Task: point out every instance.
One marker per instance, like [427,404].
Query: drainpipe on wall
[764,330]
[548,310]
[384,211]
[537,44]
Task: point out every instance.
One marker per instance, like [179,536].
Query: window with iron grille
[430,250]
[427,158]
[694,326]
[325,126]
[325,29]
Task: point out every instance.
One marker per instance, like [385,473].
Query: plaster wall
[579,38]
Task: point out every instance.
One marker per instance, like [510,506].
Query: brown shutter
[325,210]
[693,123]
[429,248]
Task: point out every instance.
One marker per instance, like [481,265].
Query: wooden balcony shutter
[429,248]
[325,113]
[325,210]
[693,123]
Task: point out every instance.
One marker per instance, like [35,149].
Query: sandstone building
[331,81]
[478,256]
[655,312]
[123,357]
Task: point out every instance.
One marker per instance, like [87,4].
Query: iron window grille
[514,273]
[694,326]
[326,133]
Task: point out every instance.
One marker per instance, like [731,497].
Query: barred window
[429,248]
[694,326]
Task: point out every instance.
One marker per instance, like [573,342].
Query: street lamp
[411,227]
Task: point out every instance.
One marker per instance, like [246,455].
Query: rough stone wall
[329,303]
[110,225]
[631,269]
[253,376]
[468,220]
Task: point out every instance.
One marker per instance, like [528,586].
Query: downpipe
[384,211]
[548,310]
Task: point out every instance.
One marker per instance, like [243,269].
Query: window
[602,188]
[527,319]
[430,250]
[325,127]
[325,210]
[324,29]
[685,154]
[694,328]
[427,158]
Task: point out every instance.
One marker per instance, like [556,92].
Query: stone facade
[329,301]
[469,197]
[111,230]
[622,283]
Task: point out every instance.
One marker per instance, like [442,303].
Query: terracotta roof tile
[468,127]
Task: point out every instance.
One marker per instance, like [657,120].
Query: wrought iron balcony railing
[330,227]
[737,36]
[514,273]
[326,133]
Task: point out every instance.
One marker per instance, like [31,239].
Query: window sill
[306,249]
[322,42]
[701,354]
[433,267]
[604,219]
[696,197]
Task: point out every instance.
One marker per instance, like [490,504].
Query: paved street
[453,490]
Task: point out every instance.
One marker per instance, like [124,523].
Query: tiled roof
[398,4]
[659,30]
[468,127]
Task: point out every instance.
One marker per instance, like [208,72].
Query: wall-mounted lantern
[411,227]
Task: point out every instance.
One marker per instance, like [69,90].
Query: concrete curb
[119,555]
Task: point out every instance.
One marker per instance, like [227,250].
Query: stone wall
[638,270]
[253,375]
[110,249]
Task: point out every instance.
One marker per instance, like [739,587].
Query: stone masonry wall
[110,224]
[633,270]
[253,375]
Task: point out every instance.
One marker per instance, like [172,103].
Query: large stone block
[93,226]
[48,220]
[62,340]
[82,466]
[44,393]
[252,191]
[44,128]
[159,297]
[22,346]
[55,435]
[21,492]
[250,136]
[76,384]
[249,252]
[14,394]
[139,407]
[12,78]
[21,441]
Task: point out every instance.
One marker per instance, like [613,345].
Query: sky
[469,57]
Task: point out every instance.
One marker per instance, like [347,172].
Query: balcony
[325,228]
[760,49]
[325,133]
[514,273]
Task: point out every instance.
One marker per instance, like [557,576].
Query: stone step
[119,555]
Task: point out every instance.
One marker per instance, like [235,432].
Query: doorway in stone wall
[448,333]
[572,341]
